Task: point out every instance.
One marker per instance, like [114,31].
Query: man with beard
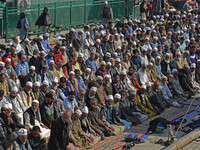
[109,44]
[186,82]
[3,69]
[8,66]
[27,95]
[107,85]
[62,89]
[57,54]
[166,66]
[179,60]
[13,81]
[102,69]
[36,90]
[97,48]
[79,79]
[8,143]
[91,62]
[78,134]
[32,118]
[34,61]
[43,75]
[91,95]
[125,82]
[54,85]
[32,76]
[129,109]
[58,102]
[118,66]
[72,83]
[70,102]
[52,72]
[81,62]
[142,74]
[88,76]
[175,83]
[60,70]
[143,56]
[132,75]
[158,68]
[197,72]
[4,84]
[101,94]
[48,110]
[8,55]
[193,76]
[43,91]
[143,102]
[94,117]
[109,118]
[80,98]
[17,103]
[21,141]
[22,66]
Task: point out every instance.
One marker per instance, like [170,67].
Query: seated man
[70,102]
[109,118]
[80,98]
[62,89]
[143,102]
[32,118]
[89,132]
[35,139]
[79,135]
[72,83]
[94,117]
[21,141]
[48,110]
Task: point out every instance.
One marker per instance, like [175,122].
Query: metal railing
[64,15]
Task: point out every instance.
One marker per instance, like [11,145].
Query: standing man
[59,138]
[107,13]
[44,20]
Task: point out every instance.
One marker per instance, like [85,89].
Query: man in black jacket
[107,13]
[59,138]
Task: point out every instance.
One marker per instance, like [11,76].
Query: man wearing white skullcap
[107,113]
[87,129]
[21,141]
[193,76]
[143,102]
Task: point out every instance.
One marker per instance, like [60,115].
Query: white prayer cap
[46,35]
[93,88]
[163,37]
[106,76]
[133,92]
[117,96]
[143,86]
[10,106]
[8,59]
[72,29]
[150,64]
[175,104]
[144,49]
[37,84]
[55,79]
[99,78]
[109,97]
[106,2]
[134,43]
[23,56]
[178,43]
[51,61]
[26,40]
[101,26]
[85,110]
[87,33]
[108,54]
[158,57]
[122,35]
[2,64]
[148,84]
[45,82]
[123,72]
[88,69]
[187,40]
[40,38]
[32,68]
[174,70]
[35,101]
[22,131]
[103,63]
[155,49]
[144,63]
[80,55]
[71,72]
[80,31]
[155,37]
[114,53]
[5,105]
[116,34]
[86,43]
[193,65]
[185,65]
[152,59]
[109,63]
[146,38]
[29,84]
[103,33]
[98,41]
[78,112]
[118,60]
[118,47]
[198,60]
[167,54]
[14,89]
[167,15]
[63,47]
